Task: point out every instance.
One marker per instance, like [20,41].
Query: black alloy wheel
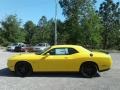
[88,70]
[23,69]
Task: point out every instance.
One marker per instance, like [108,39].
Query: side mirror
[47,54]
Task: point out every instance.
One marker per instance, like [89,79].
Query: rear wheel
[23,69]
[88,69]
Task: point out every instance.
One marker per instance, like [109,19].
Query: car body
[20,48]
[40,47]
[12,46]
[23,48]
[27,48]
[61,58]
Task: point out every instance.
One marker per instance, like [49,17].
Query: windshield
[42,51]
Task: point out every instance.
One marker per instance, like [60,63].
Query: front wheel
[88,70]
[23,69]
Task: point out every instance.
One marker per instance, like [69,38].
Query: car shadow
[6,73]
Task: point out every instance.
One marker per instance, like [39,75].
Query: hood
[27,56]
[10,46]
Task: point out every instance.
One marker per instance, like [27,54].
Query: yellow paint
[67,63]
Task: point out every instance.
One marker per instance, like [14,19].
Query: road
[109,80]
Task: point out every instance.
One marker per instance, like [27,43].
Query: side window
[72,51]
[58,51]
[61,51]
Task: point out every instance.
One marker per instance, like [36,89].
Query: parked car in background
[28,48]
[24,48]
[12,46]
[40,47]
[20,48]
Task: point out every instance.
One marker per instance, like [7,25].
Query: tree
[43,31]
[91,32]
[1,37]
[11,30]
[71,12]
[90,24]
[29,28]
[110,14]
[42,22]
[82,22]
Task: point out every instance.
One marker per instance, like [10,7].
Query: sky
[32,9]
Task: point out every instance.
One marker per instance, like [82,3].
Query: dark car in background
[12,46]
[24,48]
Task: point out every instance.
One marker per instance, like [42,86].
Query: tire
[23,69]
[88,70]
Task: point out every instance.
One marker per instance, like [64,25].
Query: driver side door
[58,59]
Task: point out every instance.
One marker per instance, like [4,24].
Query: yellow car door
[58,59]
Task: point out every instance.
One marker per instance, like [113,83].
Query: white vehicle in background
[40,47]
[12,46]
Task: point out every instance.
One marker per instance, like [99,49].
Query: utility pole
[55,41]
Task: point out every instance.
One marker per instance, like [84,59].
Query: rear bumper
[106,64]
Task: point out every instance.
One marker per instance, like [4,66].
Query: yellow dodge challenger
[60,58]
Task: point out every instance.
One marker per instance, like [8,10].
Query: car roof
[77,47]
[70,46]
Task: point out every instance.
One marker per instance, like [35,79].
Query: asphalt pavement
[109,80]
